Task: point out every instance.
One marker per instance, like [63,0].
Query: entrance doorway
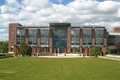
[60,50]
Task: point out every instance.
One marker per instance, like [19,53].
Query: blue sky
[41,12]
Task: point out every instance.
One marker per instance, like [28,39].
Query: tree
[24,49]
[3,47]
[96,51]
[108,50]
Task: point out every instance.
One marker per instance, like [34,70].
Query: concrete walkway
[63,56]
[112,57]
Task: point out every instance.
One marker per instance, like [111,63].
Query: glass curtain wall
[59,37]
[20,35]
[87,37]
[75,36]
[33,37]
[99,36]
[44,37]
[113,39]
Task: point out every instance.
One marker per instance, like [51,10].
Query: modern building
[58,38]
[113,39]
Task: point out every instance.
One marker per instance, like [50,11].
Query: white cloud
[2,30]
[38,12]
[4,37]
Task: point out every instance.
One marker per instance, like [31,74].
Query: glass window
[75,36]
[87,36]
[12,38]
[99,36]
[33,36]
[113,39]
[44,36]
[20,35]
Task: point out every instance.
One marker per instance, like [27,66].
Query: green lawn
[59,69]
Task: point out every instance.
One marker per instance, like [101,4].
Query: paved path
[64,56]
[112,57]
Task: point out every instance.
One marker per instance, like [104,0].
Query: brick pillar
[45,50]
[105,42]
[73,50]
[89,51]
[104,51]
[81,50]
[38,50]
[15,42]
[105,37]
[93,37]
[38,40]
[64,50]
[68,40]
[54,50]
[33,51]
[15,51]
[12,35]
[81,41]
[26,36]
[86,51]
[50,40]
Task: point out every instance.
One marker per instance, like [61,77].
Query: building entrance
[60,50]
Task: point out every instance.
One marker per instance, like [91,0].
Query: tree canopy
[96,51]
[3,46]
[24,49]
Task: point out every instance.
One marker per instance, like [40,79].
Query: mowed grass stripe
[59,69]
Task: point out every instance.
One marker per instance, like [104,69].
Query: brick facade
[13,47]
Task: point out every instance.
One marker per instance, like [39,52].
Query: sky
[41,12]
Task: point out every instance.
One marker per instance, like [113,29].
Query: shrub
[96,51]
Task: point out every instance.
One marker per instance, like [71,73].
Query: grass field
[59,69]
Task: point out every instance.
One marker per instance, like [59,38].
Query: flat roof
[59,24]
[113,33]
